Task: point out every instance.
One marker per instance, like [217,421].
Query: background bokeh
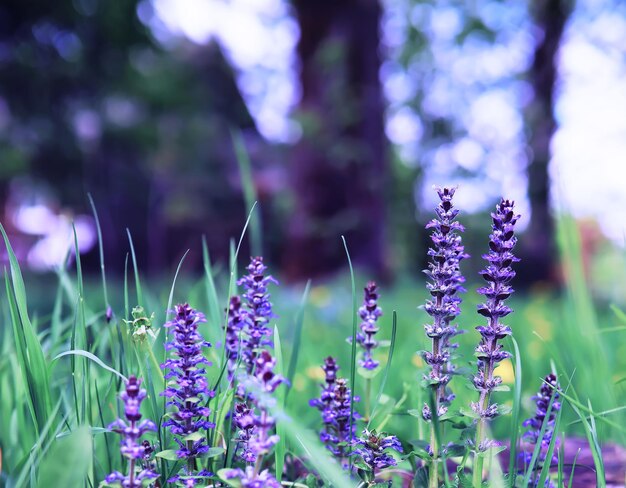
[349,111]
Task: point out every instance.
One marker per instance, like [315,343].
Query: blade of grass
[281,445]
[249,191]
[593,445]
[297,337]
[570,483]
[212,298]
[545,469]
[517,402]
[394,321]
[137,280]
[68,461]
[32,360]
[353,354]
[537,450]
[100,250]
[92,357]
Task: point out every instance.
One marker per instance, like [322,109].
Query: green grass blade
[305,442]
[170,297]
[249,191]
[135,268]
[571,476]
[517,403]
[213,302]
[68,461]
[32,361]
[92,357]
[537,450]
[38,449]
[381,389]
[100,250]
[297,337]
[281,446]
[353,354]
[545,469]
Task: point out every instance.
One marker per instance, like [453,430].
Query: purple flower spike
[373,447]
[131,430]
[334,405]
[187,389]
[236,323]
[336,434]
[445,283]
[249,478]
[548,392]
[255,424]
[498,275]
[369,313]
[258,311]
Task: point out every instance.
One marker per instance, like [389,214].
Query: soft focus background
[349,110]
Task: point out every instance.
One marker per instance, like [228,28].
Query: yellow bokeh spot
[315,373]
[535,349]
[320,296]
[299,383]
[417,361]
[505,370]
[539,322]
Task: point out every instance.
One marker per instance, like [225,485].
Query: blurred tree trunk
[339,168]
[538,247]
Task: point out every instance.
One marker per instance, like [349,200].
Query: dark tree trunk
[537,246]
[339,168]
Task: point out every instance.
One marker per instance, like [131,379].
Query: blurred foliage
[91,102]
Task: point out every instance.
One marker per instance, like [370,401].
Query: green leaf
[223,474]
[414,412]
[68,460]
[194,437]
[214,452]
[368,374]
[168,454]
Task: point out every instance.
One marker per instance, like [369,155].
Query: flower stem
[368,394]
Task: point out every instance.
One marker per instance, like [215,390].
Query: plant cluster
[217,416]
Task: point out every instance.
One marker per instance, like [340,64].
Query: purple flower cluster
[337,435]
[445,283]
[255,424]
[498,275]
[330,368]
[373,447]
[249,478]
[131,430]
[234,326]
[187,388]
[258,311]
[334,405]
[369,313]
[548,392]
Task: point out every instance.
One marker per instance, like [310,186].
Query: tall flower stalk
[187,390]
[548,393]
[369,312]
[258,312]
[131,429]
[445,280]
[325,400]
[334,405]
[234,327]
[489,352]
